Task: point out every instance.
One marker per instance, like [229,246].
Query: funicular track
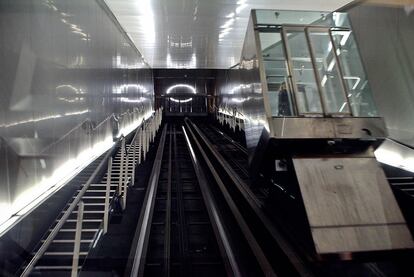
[191,225]
[181,240]
[235,156]
[279,255]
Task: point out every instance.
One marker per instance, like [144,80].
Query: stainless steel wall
[240,91]
[66,66]
[385,37]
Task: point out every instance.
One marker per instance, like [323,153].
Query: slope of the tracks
[278,253]
[182,231]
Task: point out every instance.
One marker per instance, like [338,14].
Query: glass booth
[312,69]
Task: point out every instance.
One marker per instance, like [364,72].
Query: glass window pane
[328,71]
[277,77]
[307,97]
[280,17]
[356,82]
[316,18]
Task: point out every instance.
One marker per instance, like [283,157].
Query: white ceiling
[197,33]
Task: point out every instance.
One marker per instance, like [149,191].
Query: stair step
[84,220]
[55,267]
[74,230]
[70,241]
[64,253]
[90,212]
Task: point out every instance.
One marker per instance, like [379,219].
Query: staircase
[65,247]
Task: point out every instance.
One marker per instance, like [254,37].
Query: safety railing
[63,219]
[130,157]
[232,117]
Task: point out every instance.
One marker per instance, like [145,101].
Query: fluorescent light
[345,38]
[181,101]
[240,8]
[228,23]
[43,118]
[331,65]
[343,107]
[324,80]
[357,81]
[128,100]
[191,88]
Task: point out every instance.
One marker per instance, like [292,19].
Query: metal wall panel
[66,65]
[240,90]
[386,39]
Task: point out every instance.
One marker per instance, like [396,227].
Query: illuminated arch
[191,88]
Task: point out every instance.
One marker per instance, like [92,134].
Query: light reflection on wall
[63,74]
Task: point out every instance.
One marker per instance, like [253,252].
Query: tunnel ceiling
[197,33]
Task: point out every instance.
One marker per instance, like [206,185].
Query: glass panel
[280,97]
[328,71]
[315,18]
[307,95]
[359,92]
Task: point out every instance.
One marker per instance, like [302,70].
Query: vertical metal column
[107,194]
[78,235]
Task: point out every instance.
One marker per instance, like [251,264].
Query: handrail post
[152,129]
[107,194]
[125,181]
[148,136]
[78,236]
[139,145]
[144,143]
[133,160]
[121,167]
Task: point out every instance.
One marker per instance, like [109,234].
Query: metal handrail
[77,127]
[240,113]
[63,219]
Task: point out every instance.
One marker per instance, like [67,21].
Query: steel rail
[227,253]
[262,260]
[235,143]
[183,234]
[167,227]
[297,261]
[142,233]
